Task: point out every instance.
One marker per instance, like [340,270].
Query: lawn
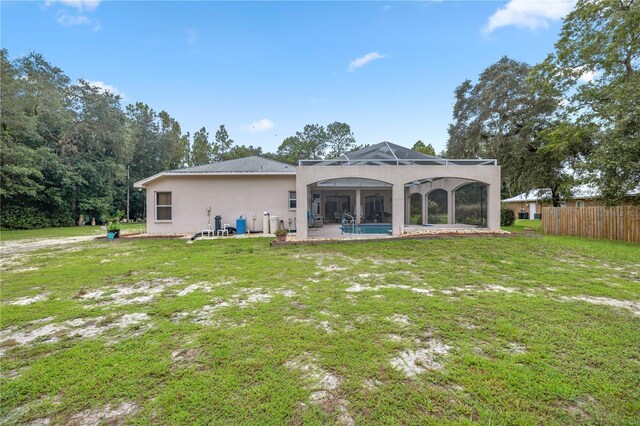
[520,224]
[486,330]
[71,231]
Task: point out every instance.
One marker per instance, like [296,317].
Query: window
[292,199]
[580,204]
[163,206]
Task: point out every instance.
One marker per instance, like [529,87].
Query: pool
[369,228]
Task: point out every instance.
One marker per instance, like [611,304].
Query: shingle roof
[385,151]
[253,164]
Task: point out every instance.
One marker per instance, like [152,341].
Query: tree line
[71,149]
[574,118]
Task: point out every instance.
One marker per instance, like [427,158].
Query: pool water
[369,228]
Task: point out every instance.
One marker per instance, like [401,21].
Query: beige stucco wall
[398,176]
[228,196]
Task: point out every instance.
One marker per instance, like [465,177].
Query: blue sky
[265,69]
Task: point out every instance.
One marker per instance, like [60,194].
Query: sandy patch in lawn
[516,349]
[13,416]
[22,246]
[79,327]
[401,320]
[357,288]
[183,356]
[372,384]
[29,269]
[324,386]
[243,299]
[129,294]
[23,301]
[109,414]
[634,307]
[427,357]
[205,287]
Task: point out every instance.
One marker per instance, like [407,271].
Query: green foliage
[602,41]
[221,144]
[316,142]
[425,149]
[241,151]
[340,139]
[201,151]
[502,117]
[66,146]
[507,217]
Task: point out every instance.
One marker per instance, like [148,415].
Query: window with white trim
[292,200]
[163,206]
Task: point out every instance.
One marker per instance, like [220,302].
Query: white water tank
[273,221]
[265,223]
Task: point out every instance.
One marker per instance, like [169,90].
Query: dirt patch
[183,356]
[401,320]
[112,415]
[79,327]
[14,415]
[243,299]
[516,349]
[324,386]
[634,307]
[23,301]
[22,246]
[428,357]
[129,294]
[357,288]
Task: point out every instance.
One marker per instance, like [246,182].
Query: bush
[20,217]
[507,217]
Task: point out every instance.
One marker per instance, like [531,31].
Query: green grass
[520,224]
[71,231]
[532,355]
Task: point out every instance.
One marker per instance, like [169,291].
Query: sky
[266,69]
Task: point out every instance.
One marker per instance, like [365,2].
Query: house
[528,205]
[383,184]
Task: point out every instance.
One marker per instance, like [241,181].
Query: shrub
[507,217]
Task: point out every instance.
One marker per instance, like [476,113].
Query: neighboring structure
[528,205]
[380,183]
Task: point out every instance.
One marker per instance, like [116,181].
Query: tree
[222,144]
[601,40]
[66,146]
[241,151]
[311,143]
[201,152]
[174,144]
[425,149]
[502,117]
[340,139]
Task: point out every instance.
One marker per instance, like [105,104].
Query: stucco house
[528,205]
[383,184]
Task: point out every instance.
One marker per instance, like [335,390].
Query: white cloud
[68,20]
[530,14]
[81,5]
[363,60]
[260,125]
[588,76]
[104,87]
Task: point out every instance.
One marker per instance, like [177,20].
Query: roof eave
[142,183]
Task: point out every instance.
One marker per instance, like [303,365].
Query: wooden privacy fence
[613,223]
